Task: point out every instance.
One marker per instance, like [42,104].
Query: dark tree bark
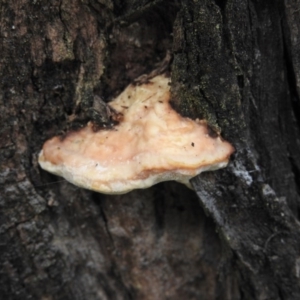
[235,63]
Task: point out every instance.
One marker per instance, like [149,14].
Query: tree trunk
[236,64]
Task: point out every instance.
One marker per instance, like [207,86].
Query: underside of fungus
[152,143]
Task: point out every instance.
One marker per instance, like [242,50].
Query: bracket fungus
[152,143]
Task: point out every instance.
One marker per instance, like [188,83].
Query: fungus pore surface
[152,143]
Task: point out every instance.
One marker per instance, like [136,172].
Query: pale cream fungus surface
[152,143]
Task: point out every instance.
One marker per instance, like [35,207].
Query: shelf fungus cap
[152,143]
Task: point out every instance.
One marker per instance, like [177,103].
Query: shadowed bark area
[235,63]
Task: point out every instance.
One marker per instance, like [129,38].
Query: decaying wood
[234,63]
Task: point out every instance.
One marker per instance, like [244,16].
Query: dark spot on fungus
[146,106]
[193,144]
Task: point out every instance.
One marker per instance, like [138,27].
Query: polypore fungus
[152,143]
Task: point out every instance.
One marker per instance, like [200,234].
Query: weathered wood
[235,63]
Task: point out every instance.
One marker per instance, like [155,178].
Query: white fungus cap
[152,143]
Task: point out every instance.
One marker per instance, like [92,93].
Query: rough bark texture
[235,63]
